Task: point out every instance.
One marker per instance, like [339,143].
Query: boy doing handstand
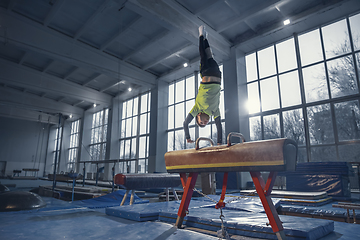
[208,99]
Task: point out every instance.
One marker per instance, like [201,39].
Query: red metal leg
[221,203]
[264,194]
[270,183]
[183,179]
[186,198]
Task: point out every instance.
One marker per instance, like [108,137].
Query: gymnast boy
[208,99]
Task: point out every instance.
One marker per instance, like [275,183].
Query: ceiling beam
[47,67]
[78,103]
[175,52]
[16,99]
[53,11]
[213,35]
[93,78]
[203,8]
[174,17]
[111,85]
[72,71]
[146,44]
[263,7]
[11,5]
[25,114]
[12,73]
[99,11]
[23,58]
[180,71]
[30,36]
[60,99]
[336,7]
[119,34]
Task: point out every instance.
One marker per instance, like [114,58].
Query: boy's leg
[203,57]
[208,51]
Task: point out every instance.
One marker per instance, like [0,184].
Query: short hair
[197,121]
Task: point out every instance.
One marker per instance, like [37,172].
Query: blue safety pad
[239,202]
[150,211]
[250,204]
[325,211]
[110,200]
[306,202]
[252,224]
[215,198]
[298,198]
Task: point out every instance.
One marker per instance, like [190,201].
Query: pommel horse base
[268,155]
[147,181]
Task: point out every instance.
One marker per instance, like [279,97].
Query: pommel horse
[267,155]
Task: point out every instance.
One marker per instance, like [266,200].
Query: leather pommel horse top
[266,155]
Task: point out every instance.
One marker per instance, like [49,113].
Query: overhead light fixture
[94,105]
[70,116]
[129,89]
[186,64]
[287,21]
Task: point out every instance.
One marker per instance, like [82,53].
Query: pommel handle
[203,138]
[235,135]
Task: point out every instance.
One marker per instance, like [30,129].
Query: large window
[57,147]
[99,135]
[182,94]
[134,138]
[74,145]
[307,88]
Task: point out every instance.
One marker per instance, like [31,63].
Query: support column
[231,95]
[235,98]
[116,114]
[158,126]
[86,138]
[108,166]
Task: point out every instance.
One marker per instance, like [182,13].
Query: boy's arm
[186,123]
[219,130]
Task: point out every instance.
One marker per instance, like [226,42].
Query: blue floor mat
[109,200]
[325,211]
[252,224]
[244,216]
[150,211]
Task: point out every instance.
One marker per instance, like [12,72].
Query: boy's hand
[189,140]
